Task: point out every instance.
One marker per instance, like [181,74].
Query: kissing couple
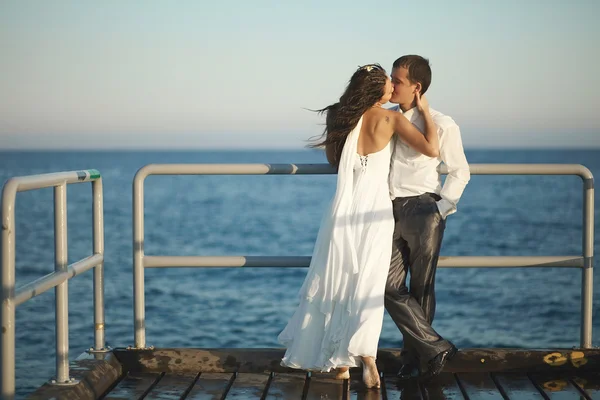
[385,221]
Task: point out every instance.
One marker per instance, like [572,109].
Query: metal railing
[141,261]
[58,279]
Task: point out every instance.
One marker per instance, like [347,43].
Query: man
[421,206]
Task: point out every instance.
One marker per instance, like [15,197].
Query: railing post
[7,350]
[98,237]
[587,284]
[138,260]
[7,310]
[61,290]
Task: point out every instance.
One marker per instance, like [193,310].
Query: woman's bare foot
[370,373]
[343,373]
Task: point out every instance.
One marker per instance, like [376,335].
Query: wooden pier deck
[256,374]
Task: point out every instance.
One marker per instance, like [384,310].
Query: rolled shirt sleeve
[453,155]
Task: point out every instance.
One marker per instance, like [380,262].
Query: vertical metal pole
[587,284]
[98,237]
[138,262]
[7,348]
[62,290]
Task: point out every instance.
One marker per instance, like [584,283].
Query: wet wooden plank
[478,386]
[366,394]
[524,360]
[556,386]
[443,386]
[517,386]
[388,360]
[210,386]
[171,387]
[133,386]
[96,374]
[248,386]
[286,386]
[590,384]
[322,386]
[395,388]
[358,391]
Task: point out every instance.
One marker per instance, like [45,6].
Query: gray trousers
[416,246]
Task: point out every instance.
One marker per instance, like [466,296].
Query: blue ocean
[279,215]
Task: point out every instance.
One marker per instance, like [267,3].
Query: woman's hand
[422,103]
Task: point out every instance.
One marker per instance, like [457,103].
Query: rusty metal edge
[96,374]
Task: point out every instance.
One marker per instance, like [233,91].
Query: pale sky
[239,73]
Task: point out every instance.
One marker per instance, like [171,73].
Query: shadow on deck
[256,374]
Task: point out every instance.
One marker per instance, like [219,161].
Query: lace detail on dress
[363,161]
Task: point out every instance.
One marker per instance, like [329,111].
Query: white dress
[340,314]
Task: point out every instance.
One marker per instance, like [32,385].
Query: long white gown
[340,314]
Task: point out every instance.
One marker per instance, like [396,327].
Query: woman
[339,319]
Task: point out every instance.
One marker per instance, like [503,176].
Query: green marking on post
[94,173]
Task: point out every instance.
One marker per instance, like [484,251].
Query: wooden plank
[358,391]
[515,360]
[133,386]
[478,385]
[248,386]
[171,387]
[388,360]
[210,386]
[394,388]
[322,386]
[286,386]
[365,394]
[517,386]
[96,374]
[590,384]
[556,386]
[443,386]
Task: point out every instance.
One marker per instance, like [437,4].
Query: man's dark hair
[418,70]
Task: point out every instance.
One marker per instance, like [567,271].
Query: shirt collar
[411,114]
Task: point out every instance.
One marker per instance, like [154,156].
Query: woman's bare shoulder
[385,116]
[381,122]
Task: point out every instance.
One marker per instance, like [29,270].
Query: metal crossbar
[12,297]
[141,261]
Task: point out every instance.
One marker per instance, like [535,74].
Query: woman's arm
[427,144]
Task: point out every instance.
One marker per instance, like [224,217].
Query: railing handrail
[141,261]
[304,261]
[12,297]
[325,169]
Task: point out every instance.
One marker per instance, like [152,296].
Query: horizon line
[269,149]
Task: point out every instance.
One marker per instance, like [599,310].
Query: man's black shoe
[407,371]
[437,363]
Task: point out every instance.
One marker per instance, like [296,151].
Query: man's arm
[453,155]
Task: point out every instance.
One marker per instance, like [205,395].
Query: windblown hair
[418,70]
[365,89]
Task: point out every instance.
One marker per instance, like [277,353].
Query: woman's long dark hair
[364,90]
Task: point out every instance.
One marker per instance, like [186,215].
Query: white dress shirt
[413,173]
